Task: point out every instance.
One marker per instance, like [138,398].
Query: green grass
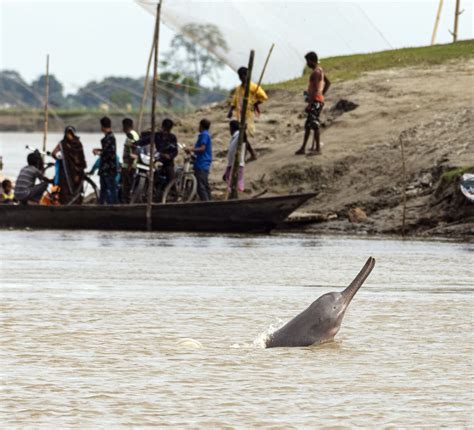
[353,66]
[452,174]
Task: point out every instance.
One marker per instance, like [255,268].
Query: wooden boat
[242,216]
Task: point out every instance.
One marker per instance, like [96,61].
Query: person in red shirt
[318,85]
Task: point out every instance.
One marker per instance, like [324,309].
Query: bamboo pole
[435,29]
[234,194]
[153,119]
[265,67]
[46,97]
[456,20]
[404,188]
[145,86]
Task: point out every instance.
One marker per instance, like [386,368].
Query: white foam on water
[261,340]
[190,343]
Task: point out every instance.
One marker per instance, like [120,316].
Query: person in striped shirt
[26,189]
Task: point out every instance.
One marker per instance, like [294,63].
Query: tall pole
[243,123]
[404,188]
[153,120]
[264,68]
[145,87]
[435,29]
[456,19]
[46,96]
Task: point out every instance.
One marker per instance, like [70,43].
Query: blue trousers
[108,190]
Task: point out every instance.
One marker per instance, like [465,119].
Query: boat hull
[247,215]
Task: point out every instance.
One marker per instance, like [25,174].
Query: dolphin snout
[354,286]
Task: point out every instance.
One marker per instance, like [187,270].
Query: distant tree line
[176,91]
[182,72]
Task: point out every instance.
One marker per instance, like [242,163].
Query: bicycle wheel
[180,191]
[170,194]
[87,192]
[189,190]
[90,191]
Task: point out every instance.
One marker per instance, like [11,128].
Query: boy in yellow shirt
[256,97]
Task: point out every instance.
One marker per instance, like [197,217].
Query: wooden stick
[145,87]
[404,179]
[435,29]
[46,97]
[456,19]
[153,120]
[234,194]
[264,67]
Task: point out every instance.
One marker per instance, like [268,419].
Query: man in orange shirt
[318,85]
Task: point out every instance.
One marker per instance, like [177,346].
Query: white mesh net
[296,27]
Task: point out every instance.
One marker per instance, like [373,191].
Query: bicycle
[183,188]
[139,193]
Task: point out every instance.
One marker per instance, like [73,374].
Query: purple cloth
[240,181]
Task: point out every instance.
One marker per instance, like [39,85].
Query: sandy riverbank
[359,171]
[431,109]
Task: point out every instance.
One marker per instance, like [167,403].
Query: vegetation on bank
[341,68]
[349,67]
[452,174]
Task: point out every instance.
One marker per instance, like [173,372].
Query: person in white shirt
[129,164]
[234,127]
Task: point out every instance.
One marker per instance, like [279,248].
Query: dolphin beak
[352,289]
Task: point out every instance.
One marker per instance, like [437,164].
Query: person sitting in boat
[7,197]
[234,127]
[71,165]
[26,189]
[166,145]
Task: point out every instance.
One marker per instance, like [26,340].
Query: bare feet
[300,152]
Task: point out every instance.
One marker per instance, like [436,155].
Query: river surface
[13,148]
[92,326]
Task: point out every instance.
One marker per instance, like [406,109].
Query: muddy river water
[92,326]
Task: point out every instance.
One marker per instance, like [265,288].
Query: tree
[121,98]
[174,85]
[191,52]
[14,91]
[55,91]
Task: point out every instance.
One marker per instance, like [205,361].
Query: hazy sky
[88,40]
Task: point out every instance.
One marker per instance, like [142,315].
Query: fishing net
[295,27]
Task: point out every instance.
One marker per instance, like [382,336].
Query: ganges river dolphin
[322,320]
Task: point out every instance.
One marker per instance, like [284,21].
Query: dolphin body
[321,321]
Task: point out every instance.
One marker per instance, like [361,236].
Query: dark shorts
[312,121]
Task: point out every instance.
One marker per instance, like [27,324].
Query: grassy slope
[353,66]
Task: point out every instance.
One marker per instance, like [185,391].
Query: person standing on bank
[108,164]
[129,163]
[203,151]
[256,97]
[318,85]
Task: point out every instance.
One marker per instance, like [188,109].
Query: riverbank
[427,104]
[358,176]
